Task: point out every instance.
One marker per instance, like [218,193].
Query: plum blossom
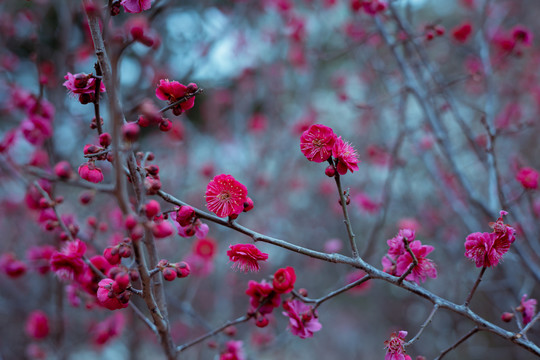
[346,156]
[173,91]
[246,257]
[82,84]
[317,142]
[225,196]
[110,296]
[394,347]
[527,309]
[136,6]
[398,259]
[487,249]
[262,297]
[303,321]
[284,280]
[90,172]
[68,263]
[528,177]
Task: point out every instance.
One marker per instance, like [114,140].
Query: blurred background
[422,100]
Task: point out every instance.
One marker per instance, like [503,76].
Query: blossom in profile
[90,172]
[346,156]
[528,177]
[284,280]
[395,349]
[225,196]
[82,83]
[317,142]
[487,249]
[246,257]
[136,6]
[173,91]
[303,321]
[527,309]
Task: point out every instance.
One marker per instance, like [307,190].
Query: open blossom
[487,249]
[90,172]
[528,177]
[262,294]
[225,196]
[425,267]
[303,321]
[246,257]
[317,142]
[346,156]
[527,308]
[68,263]
[284,280]
[173,91]
[394,347]
[397,260]
[136,6]
[82,83]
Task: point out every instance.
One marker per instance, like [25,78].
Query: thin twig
[465,337]
[423,326]
[476,283]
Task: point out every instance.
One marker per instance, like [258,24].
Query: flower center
[224,196]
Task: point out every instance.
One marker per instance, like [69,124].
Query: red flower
[316,143]
[233,351]
[37,325]
[521,34]
[68,263]
[82,83]
[303,321]
[225,196]
[425,267]
[173,91]
[246,257]
[109,298]
[136,6]
[484,249]
[90,172]
[394,347]
[263,295]
[462,32]
[527,308]
[528,177]
[284,280]
[346,156]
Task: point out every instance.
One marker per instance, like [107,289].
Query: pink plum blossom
[303,321]
[317,142]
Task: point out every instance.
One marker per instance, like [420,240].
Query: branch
[459,342]
[476,283]
[423,326]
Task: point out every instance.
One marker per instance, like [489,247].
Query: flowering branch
[96,97]
[476,283]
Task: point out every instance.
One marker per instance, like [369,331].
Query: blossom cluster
[319,144]
[398,259]
[487,249]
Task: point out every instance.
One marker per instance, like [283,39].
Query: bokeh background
[269,69]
